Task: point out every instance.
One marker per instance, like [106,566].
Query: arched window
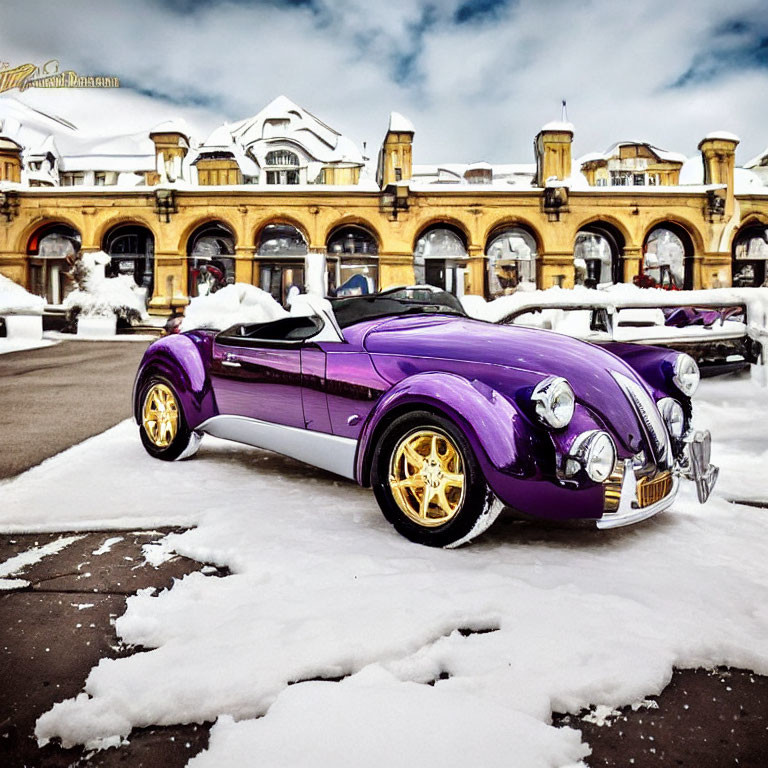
[52,251]
[132,248]
[210,259]
[281,252]
[282,167]
[667,257]
[750,256]
[439,258]
[597,255]
[353,264]
[511,253]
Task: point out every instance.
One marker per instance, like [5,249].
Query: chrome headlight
[673,415]
[554,401]
[686,374]
[595,453]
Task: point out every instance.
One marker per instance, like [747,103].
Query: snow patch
[107,545]
[237,303]
[15,299]
[23,560]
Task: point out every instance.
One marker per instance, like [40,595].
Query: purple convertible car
[449,419]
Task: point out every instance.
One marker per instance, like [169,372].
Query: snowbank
[16,300]
[325,588]
[100,296]
[238,303]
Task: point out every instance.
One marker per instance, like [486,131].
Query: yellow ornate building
[283,200]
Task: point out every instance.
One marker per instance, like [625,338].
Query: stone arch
[282,219]
[690,229]
[442,260]
[512,221]
[210,252]
[598,252]
[199,222]
[512,250]
[630,240]
[352,259]
[127,219]
[668,255]
[51,248]
[354,221]
[130,244]
[449,222]
[749,252]
[22,242]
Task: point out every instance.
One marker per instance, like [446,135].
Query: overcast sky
[476,77]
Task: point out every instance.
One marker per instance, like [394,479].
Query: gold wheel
[160,415]
[426,477]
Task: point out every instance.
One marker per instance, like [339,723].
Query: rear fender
[183,360]
[499,435]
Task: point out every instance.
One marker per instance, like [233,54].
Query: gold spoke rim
[426,477]
[160,415]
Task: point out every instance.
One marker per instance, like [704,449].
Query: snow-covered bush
[237,303]
[100,296]
[16,300]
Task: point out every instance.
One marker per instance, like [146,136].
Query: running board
[330,452]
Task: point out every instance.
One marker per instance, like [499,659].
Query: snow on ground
[21,345]
[15,565]
[322,587]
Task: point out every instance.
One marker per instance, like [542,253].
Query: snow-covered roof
[399,124]
[723,136]
[613,151]
[557,125]
[175,125]
[757,160]
[503,175]
[282,124]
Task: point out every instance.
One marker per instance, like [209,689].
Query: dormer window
[282,167]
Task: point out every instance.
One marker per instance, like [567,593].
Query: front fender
[183,360]
[500,436]
[654,364]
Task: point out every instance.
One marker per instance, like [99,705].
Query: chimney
[395,156]
[553,152]
[718,154]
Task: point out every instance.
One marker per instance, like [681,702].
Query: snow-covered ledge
[21,310]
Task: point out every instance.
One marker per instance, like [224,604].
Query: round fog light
[599,457]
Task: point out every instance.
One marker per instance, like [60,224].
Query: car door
[259,378]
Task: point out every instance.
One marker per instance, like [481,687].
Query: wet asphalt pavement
[57,396]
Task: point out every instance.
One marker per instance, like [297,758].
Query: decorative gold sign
[49,75]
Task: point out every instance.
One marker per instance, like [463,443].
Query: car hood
[527,355]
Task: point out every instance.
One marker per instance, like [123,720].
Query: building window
[353,265]
[72,179]
[210,259]
[664,260]
[621,178]
[439,259]
[101,179]
[638,179]
[281,251]
[750,256]
[511,261]
[282,167]
[132,249]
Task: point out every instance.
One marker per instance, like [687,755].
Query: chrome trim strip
[628,511]
[648,413]
[330,452]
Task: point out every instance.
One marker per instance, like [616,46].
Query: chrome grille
[651,490]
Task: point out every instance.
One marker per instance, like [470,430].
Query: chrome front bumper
[694,466]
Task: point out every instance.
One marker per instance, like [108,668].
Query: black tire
[478,507]
[185,441]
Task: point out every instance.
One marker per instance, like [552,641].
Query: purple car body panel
[258,383]
[477,374]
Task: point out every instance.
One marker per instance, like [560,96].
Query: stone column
[632,258]
[713,270]
[395,269]
[476,269]
[555,268]
[170,290]
[244,264]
